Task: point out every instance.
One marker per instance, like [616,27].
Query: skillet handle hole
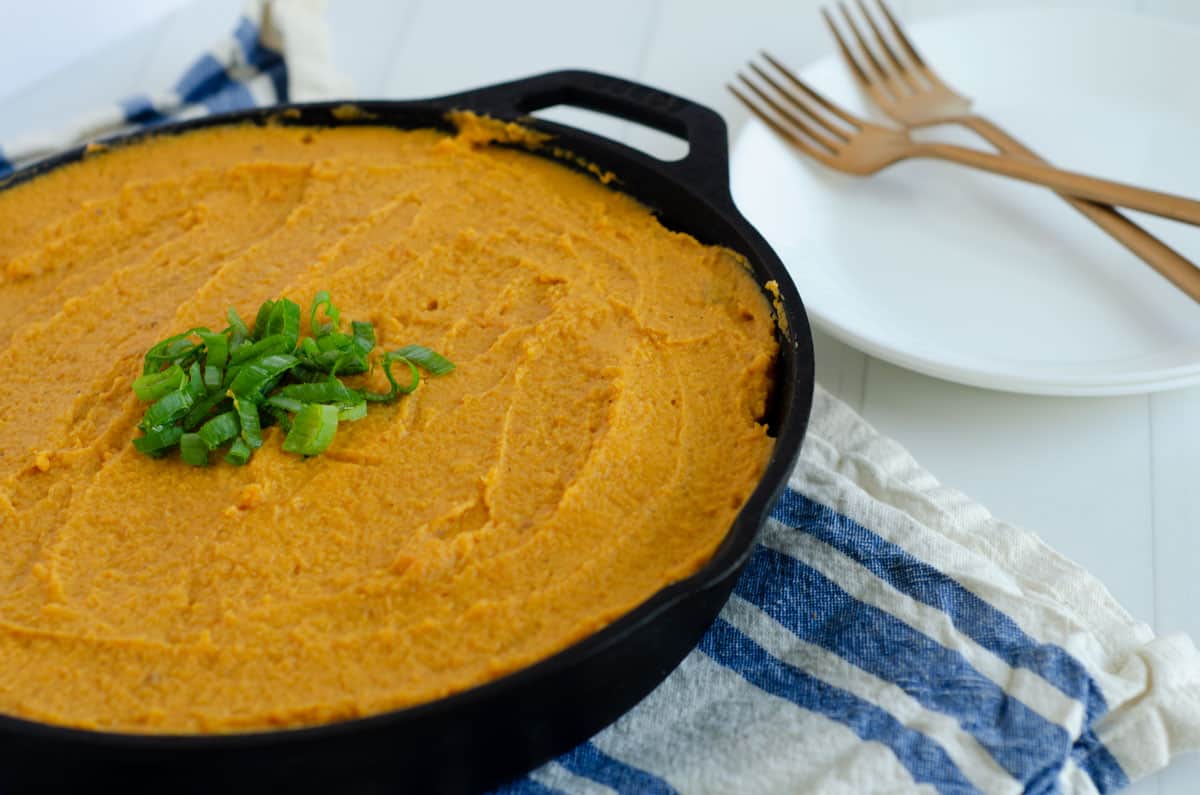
[657,144]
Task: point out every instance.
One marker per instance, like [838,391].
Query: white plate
[983,280]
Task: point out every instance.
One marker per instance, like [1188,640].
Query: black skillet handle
[706,166]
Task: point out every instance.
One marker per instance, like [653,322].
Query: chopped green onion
[276,343]
[255,379]
[196,381]
[180,348]
[208,390]
[236,324]
[152,386]
[348,362]
[364,335]
[387,397]
[322,299]
[305,374]
[332,391]
[220,429]
[158,440]
[285,403]
[202,408]
[429,361]
[284,320]
[238,330]
[278,416]
[334,341]
[335,353]
[260,321]
[175,349]
[239,453]
[313,429]
[216,349]
[193,450]
[168,409]
[249,420]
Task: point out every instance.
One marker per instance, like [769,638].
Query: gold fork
[847,143]
[907,89]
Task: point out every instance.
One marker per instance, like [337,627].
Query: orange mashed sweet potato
[599,435]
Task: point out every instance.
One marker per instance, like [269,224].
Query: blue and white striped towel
[246,69]
[889,635]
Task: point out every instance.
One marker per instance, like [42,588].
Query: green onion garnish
[320,300]
[219,430]
[216,349]
[364,335]
[193,450]
[276,343]
[152,386]
[285,403]
[239,453]
[207,389]
[284,321]
[330,391]
[157,441]
[260,321]
[237,326]
[390,395]
[257,376]
[169,409]
[251,424]
[429,361]
[312,430]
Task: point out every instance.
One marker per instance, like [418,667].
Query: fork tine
[779,129]
[862,45]
[799,123]
[822,129]
[899,34]
[866,79]
[899,66]
[813,95]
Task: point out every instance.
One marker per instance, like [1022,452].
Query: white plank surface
[1109,482]
[47,40]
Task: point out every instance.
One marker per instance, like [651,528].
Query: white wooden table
[1113,483]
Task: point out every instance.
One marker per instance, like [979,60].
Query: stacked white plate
[983,280]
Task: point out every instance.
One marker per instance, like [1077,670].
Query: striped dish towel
[277,52]
[889,635]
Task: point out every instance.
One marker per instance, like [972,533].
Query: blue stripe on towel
[971,615]
[1093,758]
[817,610]
[590,762]
[140,110]
[264,59]
[208,82]
[922,756]
[524,786]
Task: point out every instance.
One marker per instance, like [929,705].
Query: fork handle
[1082,186]
[1158,255]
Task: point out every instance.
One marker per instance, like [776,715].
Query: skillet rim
[796,361]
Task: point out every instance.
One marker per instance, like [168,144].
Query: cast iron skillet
[480,738]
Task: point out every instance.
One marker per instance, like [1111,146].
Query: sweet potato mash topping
[601,431]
